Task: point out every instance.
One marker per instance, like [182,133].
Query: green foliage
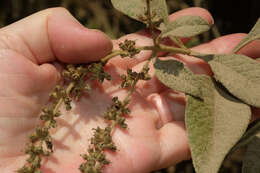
[215,122]
[252,35]
[209,115]
[212,116]
[240,75]
[137,9]
[185,26]
[177,76]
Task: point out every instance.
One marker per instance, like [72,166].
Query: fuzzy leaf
[214,124]
[186,26]
[137,9]
[175,75]
[240,75]
[251,162]
[252,35]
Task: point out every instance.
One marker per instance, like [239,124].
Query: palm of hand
[139,146]
[152,140]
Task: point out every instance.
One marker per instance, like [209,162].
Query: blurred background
[231,16]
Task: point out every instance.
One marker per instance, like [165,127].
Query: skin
[156,136]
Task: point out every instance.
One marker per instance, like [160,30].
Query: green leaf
[214,124]
[240,75]
[137,9]
[186,26]
[175,75]
[251,162]
[252,35]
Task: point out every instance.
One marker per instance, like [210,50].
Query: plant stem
[111,55]
[174,49]
[127,98]
[178,41]
[135,81]
[58,105]
[151,27]
[69,88]
[157,48]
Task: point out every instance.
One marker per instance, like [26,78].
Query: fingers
[143,38]
[162,107]
[54,33]
[174,144]
[251,49]
[140,40]
[73,43]
[26,84]
[29,76]
[220,45]
[174,103]
[195,11]
[48,77]
[170,106]
[226,44]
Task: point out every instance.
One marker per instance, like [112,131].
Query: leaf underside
[137,9]
[240,75]
[212,116]
[186,26]
[214,125]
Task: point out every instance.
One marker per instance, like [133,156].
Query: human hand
[27,50]
[156,135]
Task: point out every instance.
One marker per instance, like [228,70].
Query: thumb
[54,34]
[47,36]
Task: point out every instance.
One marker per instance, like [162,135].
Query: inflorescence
[73,87]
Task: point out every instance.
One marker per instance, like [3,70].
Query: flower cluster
[96,158]
[129,47]
[116,112]
[40,143]
[77,74]
[131,77]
